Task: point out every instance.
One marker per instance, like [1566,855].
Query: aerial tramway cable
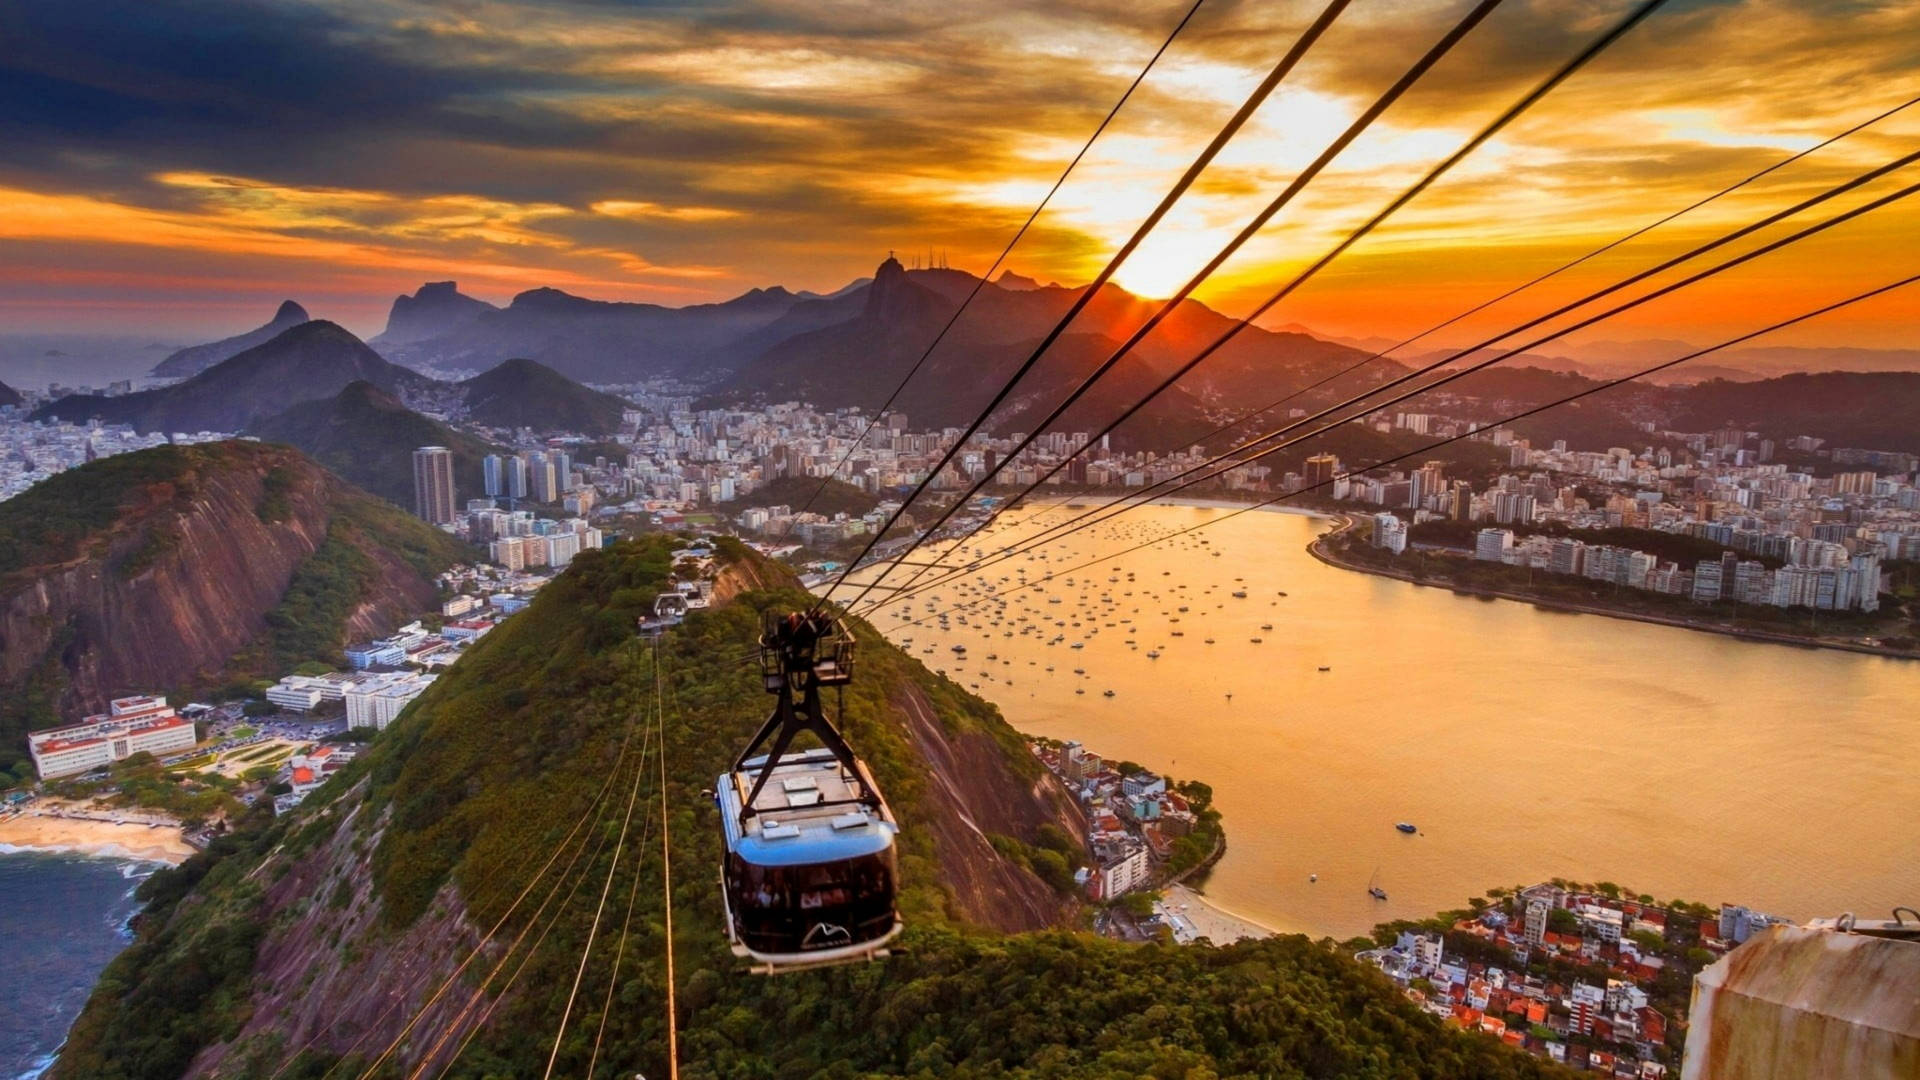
[1260,94]
[1306,176]
[1361,398]
[620,952]
[1002,257]
[593,931]
[1430,447]
[1291,395]
[589,812]
[666,876]
[1579,60]
[525,959]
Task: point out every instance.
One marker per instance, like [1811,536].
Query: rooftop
[806,813]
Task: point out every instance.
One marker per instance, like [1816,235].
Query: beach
[1194,916]
[37,829]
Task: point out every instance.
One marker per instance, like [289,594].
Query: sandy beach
[35,830]
[1202,919]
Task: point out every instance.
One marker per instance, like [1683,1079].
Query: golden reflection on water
[1524,744]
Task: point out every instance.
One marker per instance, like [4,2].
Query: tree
[1562,921]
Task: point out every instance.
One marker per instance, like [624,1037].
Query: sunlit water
[1524,744]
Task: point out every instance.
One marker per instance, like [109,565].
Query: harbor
[1353,715]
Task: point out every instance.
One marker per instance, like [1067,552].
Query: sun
[1167,259]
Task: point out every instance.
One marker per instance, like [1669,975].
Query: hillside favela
[1297,539]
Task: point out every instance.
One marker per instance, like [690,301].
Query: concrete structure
[132,725]
[1837,999]
[433,499]
[374,703]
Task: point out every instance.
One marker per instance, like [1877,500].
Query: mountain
[526,393]
[857,361]
[600,341]
[367,436]
[295,936]
[311,361]
[439,307]
[1846,408]
[197,358]
[9,396]
[172,567]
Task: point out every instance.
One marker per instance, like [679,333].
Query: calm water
[62,918]
[1525,745]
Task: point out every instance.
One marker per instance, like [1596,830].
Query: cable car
[810,873]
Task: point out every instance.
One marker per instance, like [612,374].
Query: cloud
[673,151]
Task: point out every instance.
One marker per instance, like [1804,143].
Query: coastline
[1318,550]
[1204,918]
[34,831]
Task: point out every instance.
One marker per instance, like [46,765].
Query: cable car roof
[805,814]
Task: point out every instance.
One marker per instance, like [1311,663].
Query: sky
[176,169]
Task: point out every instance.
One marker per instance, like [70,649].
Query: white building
[1492,545]
[1125,871]
[374,703]
[132,725]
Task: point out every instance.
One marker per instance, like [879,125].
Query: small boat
[1239,594]
[1373,889]
[1406,827]
[1079,689]
[1312,878]
[1109,693]
[1153,654]
[1324,667]
[1266,626]
[1256,641]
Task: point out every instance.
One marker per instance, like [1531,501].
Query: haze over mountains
[194,359]
[850,348]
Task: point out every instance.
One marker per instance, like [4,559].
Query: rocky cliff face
[186,574]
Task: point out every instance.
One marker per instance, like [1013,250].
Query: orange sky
[339,156]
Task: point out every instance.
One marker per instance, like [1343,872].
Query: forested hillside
[290,941]
[170,567]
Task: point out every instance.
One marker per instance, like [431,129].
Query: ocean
[32,361]
[62,917]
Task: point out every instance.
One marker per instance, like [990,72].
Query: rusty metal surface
[1802,1003]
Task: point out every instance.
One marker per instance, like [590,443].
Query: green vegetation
[488,770]
[366,435]
[275,503]
[141,782]
[65,516]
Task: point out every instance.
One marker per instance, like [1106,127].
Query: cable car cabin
[669,605]
[810,870]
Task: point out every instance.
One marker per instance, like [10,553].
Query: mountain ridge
[165,568]
[368,437]
[312,360]
[428,837]
[526,393]
[197,358]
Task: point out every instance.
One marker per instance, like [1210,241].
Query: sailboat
[1373,889]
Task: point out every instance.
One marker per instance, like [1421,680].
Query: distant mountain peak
[435,308]
[194,359]
[1016,282]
